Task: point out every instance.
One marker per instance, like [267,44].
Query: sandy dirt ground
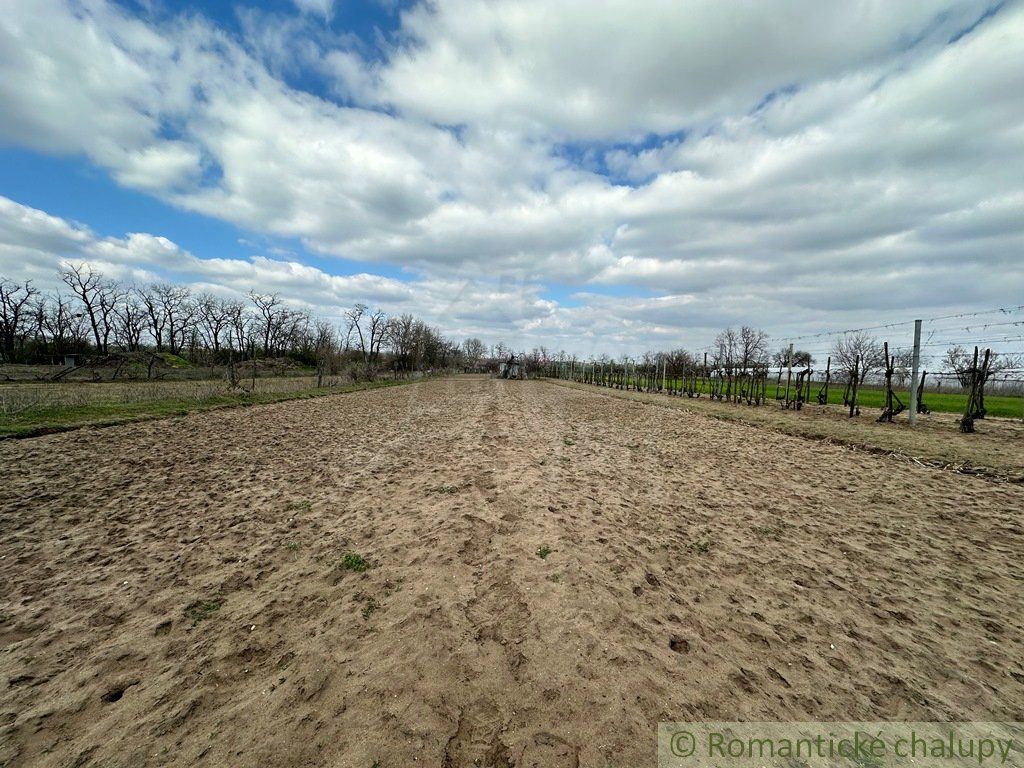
[174,594]
[995,449]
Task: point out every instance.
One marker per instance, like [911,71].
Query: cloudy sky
[598,177]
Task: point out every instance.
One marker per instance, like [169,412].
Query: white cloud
[324,8]
[584,69]
[499,148]
[46,243]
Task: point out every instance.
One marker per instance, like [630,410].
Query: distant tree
[269,308]
[726,348]
[753,347]
[61,324]
[15,308]
[401,337]
[99,298]
[325,347]
[377,326]
[129,322]
[958,360]
[801,359]
[354,320]
[213,321]
[851,347]
[473,352]
[38,326]
[903,363]
[239,336]
[680,361]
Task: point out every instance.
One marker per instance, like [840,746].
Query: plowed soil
[176,592]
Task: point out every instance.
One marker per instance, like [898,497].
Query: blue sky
[596,178]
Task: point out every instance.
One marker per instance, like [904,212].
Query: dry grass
[20,397]
[28,410]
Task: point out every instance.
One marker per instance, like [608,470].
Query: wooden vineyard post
[789,372]
[823,392]
[854,381]
[915,364]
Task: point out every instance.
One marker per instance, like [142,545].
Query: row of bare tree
[96,315]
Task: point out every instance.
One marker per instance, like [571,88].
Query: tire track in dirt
[497,612]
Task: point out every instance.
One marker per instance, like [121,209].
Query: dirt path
[174,595]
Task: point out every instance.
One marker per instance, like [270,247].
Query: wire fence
[845,366]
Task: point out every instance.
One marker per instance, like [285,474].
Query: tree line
[97,316]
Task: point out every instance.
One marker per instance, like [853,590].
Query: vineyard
[859,371]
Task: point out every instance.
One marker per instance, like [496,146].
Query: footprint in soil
[679,644]
[115,692]
[547,750]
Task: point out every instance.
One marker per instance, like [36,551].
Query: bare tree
[753,347]
[354,319]
[154,314]
[130,322]
[474,350]
[269,307]
[851,347]
[727,348]
[401,337]
[801,358]
[903,363]
[174,304]
[325,347]
[378,325]
[14,308]
[99,298]
[240,325]
[203,327]
[59,321]
[213,320]
[959,361]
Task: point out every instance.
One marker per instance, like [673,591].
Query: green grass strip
[43,421]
